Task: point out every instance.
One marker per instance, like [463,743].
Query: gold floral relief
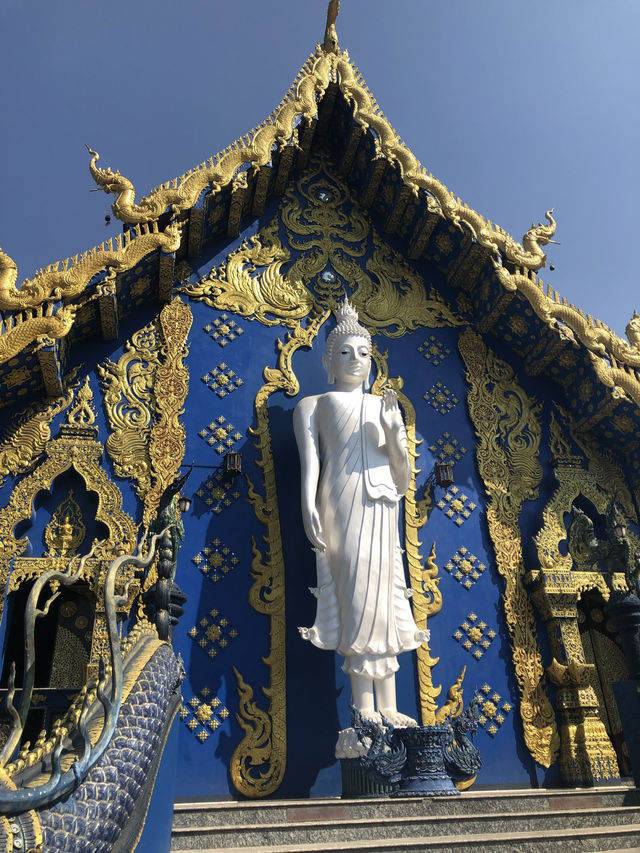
[329,235]
[427,598]
[171,384]
[591,474]
[129,403]
[75,448]
[324,221]
[269,296]
[27,436]
[508,430]
[258,762]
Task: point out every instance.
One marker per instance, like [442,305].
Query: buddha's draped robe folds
[363,607]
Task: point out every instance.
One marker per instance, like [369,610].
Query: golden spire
[330,35]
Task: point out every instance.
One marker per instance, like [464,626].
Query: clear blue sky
[515,106]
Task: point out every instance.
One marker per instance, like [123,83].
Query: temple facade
[155,648]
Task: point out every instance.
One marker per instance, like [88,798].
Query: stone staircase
[558,821]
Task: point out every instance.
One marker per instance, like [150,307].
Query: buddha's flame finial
[330,35]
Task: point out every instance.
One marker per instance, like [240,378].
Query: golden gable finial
[330,35]
[81,416]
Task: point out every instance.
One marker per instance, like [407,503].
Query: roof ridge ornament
[330,44]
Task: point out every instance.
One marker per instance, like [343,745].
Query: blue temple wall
[221,634]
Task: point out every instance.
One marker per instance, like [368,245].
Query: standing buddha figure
[355,470]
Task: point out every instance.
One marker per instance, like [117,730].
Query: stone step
[334,809]
[625,838]
[409,826]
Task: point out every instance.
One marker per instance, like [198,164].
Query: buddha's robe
[363,608]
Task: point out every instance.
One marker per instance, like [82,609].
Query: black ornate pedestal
[379,760]
[424,773]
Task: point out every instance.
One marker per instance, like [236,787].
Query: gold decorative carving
[586,752]
[19,330]
[427,598]
[233,287]
[258,762]
[601,342]
[75,448]
[167,436]
[128,399]
[334,233]
[281,127]
[632,331]
[597,480]
[256,766]
[28,435]
[508,429]
[66,531]
[64,280]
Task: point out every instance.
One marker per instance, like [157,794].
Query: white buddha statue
[355,469]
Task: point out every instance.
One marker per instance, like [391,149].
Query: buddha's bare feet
[371,715]
[400,721]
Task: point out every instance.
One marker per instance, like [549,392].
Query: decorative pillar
[586,753]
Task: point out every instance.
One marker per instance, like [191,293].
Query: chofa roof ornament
[330,43]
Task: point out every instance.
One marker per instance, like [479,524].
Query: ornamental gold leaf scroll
[27,436]
[144,395]
[258,762]
[128,399]
[427,598]
[508,429]
[333,235]
[330,236]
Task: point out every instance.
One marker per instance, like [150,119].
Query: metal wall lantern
[184,503]
[232,464]
[443,472]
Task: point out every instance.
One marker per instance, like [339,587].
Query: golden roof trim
[327,65]
[255,147]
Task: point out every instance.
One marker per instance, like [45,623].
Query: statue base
[359,780]
[424,773]
[379,760]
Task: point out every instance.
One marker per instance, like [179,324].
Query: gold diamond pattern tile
[441,398]
[434,350]
[202,717]
[456,506]
[494,710]
[447,448]
[464,566]
[221,435]
[213,634]
[223,330]
[215,560]
[217,493]
[222,380]
[476,638]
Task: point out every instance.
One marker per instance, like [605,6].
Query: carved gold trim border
[509,433]
[427,598]
[328,64]
[258,762]
[67,279]
[171,384]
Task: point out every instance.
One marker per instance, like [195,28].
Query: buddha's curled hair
[347,324]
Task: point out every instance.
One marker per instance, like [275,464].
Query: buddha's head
[347,356]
